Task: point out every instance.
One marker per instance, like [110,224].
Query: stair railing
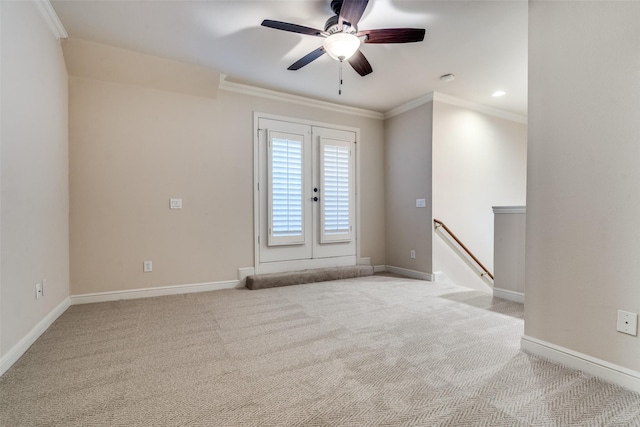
[437,224]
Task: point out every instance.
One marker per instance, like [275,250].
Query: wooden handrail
[439,223]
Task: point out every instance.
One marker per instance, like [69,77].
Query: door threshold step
[272,280]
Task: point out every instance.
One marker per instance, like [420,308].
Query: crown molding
[310,102]
[448,99]
[441,97]
[409,105]
[295,99]
[50,15]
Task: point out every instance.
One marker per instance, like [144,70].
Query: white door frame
[273,267]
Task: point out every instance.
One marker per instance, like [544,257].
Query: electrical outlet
[412,254]
[147,266]
[628,322]
[38,290]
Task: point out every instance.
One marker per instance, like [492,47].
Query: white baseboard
[379,268]
[440,277]
[582,362]
[365,261]
[409,273]
[509,295]
[243,273]
[154,292]
[27,341]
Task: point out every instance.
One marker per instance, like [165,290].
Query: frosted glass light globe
[341,46]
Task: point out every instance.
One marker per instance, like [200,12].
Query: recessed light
[498,93]
[447,78]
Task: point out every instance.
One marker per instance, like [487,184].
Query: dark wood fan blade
[352,11]
[360,64]
[285,26]
[312,56]
[393,35]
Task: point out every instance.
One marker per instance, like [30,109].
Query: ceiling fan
[342,38]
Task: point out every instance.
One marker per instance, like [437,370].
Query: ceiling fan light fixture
[341,46]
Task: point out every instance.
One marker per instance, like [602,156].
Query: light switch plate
[175,203]
[421,203]
[147,266]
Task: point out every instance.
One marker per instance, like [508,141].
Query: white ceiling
[484,43]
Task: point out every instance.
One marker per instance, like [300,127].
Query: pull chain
[340,79]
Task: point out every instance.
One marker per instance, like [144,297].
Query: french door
[305,190]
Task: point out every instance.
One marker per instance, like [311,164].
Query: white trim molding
[305,264]
[295,99]
[508,295]
[27,341]
[441,97]
[310,102]
[409,273]
[243,273]
[51,17]
[154,292]
[509,209]
[379,268]
[441,277]
[448,99]
[409,105]
[599,368]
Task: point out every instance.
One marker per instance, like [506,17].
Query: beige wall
[34,172]
[583,202]
[132,148]
[479,161]
[407,170]
[112,64]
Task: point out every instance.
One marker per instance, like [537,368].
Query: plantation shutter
[336,197]
[285,205]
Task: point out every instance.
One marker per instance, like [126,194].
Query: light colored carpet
[358,352]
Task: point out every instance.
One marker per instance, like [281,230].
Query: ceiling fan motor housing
[331,26]
[336,6]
